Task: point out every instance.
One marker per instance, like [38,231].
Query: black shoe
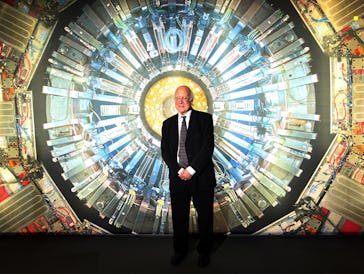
[177,258]
[203,260]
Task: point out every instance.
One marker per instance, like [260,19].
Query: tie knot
[184,117]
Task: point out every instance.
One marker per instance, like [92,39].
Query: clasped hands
[184,175]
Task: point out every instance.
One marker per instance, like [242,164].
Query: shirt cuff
[191,170]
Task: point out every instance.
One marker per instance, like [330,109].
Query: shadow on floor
[128,254]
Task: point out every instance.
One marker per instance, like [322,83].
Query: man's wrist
[191,170]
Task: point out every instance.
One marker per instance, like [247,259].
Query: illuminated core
[159,100]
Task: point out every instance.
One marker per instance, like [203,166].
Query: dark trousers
[203,202]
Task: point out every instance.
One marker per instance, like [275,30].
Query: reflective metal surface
[115,73]
[80,134]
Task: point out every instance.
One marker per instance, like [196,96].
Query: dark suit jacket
[199,148]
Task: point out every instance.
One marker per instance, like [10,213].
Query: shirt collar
[187,114]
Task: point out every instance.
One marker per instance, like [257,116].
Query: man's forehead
[182,90]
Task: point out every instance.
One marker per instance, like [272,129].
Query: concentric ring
[250,72]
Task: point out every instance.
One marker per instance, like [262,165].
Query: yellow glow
[159,100]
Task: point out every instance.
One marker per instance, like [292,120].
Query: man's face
[182,101]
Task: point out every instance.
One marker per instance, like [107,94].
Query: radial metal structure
[111,84]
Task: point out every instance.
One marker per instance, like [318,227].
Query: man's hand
[185,175]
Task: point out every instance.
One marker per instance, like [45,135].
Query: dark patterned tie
[183,161]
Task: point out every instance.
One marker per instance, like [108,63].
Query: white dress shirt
[188,116]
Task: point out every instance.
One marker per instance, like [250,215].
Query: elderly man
[187,146]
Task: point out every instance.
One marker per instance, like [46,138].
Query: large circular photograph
[111,83]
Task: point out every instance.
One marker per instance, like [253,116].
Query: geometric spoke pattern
[112,81]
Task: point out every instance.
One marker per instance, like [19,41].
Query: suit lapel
[175,129]
[191,124]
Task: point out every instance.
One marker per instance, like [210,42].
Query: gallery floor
[150,254]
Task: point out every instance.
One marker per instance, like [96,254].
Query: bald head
[183,99]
